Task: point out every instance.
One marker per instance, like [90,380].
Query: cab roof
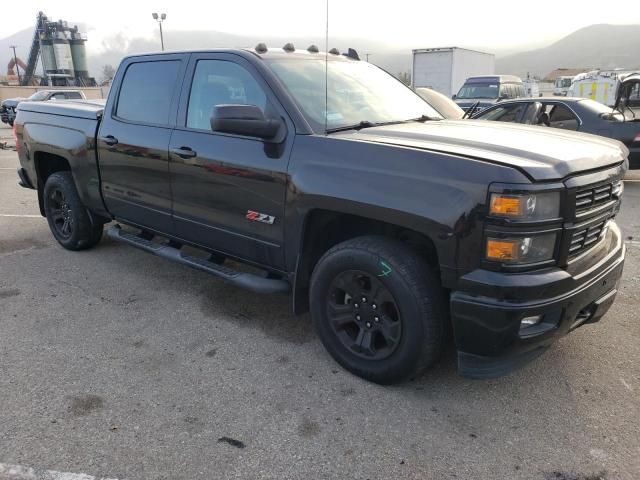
[494,78]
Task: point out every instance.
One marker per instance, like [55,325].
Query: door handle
[109,140]
[184,152]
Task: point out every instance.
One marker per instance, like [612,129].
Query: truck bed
[89,109]
[63,130]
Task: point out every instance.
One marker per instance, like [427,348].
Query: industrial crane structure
[63,53]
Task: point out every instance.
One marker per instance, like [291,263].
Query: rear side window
[146,91]
[73,95]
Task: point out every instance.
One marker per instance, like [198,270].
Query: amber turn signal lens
[506,205]
[502,249]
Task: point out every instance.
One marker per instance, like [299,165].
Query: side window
[146,91]
[507,113]
[73,95]
[58,96]
[219,82]
[561,117]
[506,91]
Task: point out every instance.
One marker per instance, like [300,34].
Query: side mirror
[454,96]
[243,120]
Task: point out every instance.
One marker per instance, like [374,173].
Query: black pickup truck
[395,228]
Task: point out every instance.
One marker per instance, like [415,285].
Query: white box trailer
[445,69]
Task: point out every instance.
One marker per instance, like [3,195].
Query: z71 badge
[260,217]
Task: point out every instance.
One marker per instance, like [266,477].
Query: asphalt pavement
[115,363]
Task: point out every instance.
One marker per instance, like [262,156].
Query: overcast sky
[503,25]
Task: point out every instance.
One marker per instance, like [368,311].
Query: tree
[404,77]
[108,72]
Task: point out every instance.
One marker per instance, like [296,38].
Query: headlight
[528,207]
[521,250]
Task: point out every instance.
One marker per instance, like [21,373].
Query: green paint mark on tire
[386,269]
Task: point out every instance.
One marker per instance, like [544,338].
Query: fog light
[527,322]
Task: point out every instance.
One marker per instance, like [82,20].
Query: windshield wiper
[422,118]
[368,124]
[358,126]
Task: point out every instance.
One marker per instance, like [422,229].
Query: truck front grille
[585,238]
[591,197]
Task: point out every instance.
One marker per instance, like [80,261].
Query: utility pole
[367,55]
[160,18]
[15,60]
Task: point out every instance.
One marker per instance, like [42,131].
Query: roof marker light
[261,48]
[334,51]
[289,47]
[312,49]
[351,53]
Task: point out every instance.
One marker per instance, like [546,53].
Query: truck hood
[543,154]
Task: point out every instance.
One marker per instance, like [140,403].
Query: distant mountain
[596,46]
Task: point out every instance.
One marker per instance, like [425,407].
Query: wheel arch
[45,165]
[323,229]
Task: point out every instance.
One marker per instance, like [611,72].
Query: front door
[134,138]
[228,190]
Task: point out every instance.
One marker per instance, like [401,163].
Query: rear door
[229,190]
[133,140]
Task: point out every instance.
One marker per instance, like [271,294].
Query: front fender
[438,195]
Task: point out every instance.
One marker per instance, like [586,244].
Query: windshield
[478,90]
[357,92]
[38,96]
[563,82]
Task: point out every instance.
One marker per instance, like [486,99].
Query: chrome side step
[245,280]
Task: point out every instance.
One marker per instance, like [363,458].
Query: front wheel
[378,308]
[70,222]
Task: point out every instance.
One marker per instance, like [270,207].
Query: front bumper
[487,327]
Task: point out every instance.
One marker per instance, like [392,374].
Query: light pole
[367,55]
[15,60]
[160,18]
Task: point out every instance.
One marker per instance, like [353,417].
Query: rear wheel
[378,308]
[72,225]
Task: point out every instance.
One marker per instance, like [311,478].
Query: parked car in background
[443,104]
[8,106]
[575,114]
[487,90]
[562,85]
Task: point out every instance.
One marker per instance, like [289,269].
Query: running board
[249,281]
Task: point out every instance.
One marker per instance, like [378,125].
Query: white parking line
[18,472]
[19,216]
